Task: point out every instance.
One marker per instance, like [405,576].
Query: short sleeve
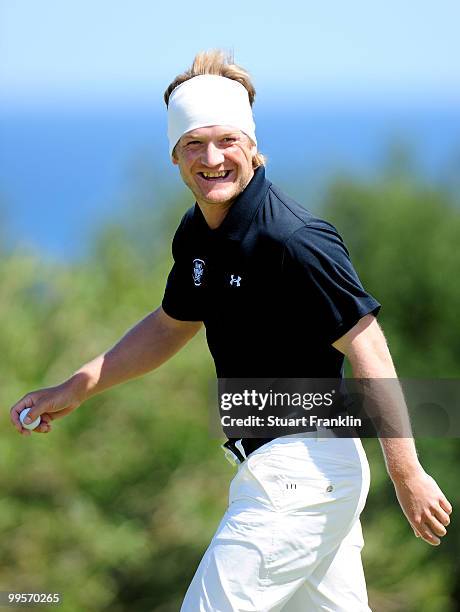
[318,269]
[181,300]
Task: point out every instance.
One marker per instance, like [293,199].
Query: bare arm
[366,348]
[423,503]
[143,348]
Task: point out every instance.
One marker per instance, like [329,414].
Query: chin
[220,195]
[218,199]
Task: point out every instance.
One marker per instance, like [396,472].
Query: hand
[50,404]
[425,506]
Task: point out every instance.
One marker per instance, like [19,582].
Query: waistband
[238,450]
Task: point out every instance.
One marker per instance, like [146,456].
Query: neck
[214,214]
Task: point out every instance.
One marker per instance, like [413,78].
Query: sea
[65,173]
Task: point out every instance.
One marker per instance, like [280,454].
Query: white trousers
[291,538]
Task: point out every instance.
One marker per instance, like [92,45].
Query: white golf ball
[32,425]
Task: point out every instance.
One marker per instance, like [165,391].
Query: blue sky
[55,52]
[60,171]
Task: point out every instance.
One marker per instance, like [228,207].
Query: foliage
[115,507]
[402,236]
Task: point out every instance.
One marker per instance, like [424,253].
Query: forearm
[375,369]
[142,349]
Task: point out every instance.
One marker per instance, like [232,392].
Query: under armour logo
[235,280]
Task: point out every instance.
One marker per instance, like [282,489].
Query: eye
[229,139]
[192,142]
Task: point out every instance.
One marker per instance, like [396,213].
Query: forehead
[212,131]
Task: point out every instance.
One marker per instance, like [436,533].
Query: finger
[427,535]
[436,527]
[445,505]
[25,402]
[44,417]
[416,533]
[36,411]
[442,516]
[45,425]
[23,429]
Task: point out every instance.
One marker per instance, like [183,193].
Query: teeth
[214,174]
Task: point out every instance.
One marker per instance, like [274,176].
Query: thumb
[36,409]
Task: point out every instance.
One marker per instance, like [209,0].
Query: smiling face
[215,163]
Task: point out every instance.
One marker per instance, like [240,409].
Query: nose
[212,155]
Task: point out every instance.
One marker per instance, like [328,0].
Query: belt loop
[230,455]
[234,451]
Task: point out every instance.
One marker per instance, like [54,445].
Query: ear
[253,146]
[174,158]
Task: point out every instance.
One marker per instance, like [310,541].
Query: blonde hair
[220,63]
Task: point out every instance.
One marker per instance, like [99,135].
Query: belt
[237,451]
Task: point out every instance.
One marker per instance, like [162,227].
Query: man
[279,297]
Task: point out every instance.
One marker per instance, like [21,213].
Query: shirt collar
[242,211]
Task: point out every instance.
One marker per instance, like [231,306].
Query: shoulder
[292,222]
[317,245]
[286,215]
[295,226]
[316,234]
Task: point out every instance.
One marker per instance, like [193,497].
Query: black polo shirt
[273,284]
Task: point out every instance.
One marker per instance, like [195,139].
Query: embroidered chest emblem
[198,271]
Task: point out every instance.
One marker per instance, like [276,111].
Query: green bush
[115,507]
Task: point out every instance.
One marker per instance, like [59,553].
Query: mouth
[215,177]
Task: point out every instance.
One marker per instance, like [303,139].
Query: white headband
[206,100]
